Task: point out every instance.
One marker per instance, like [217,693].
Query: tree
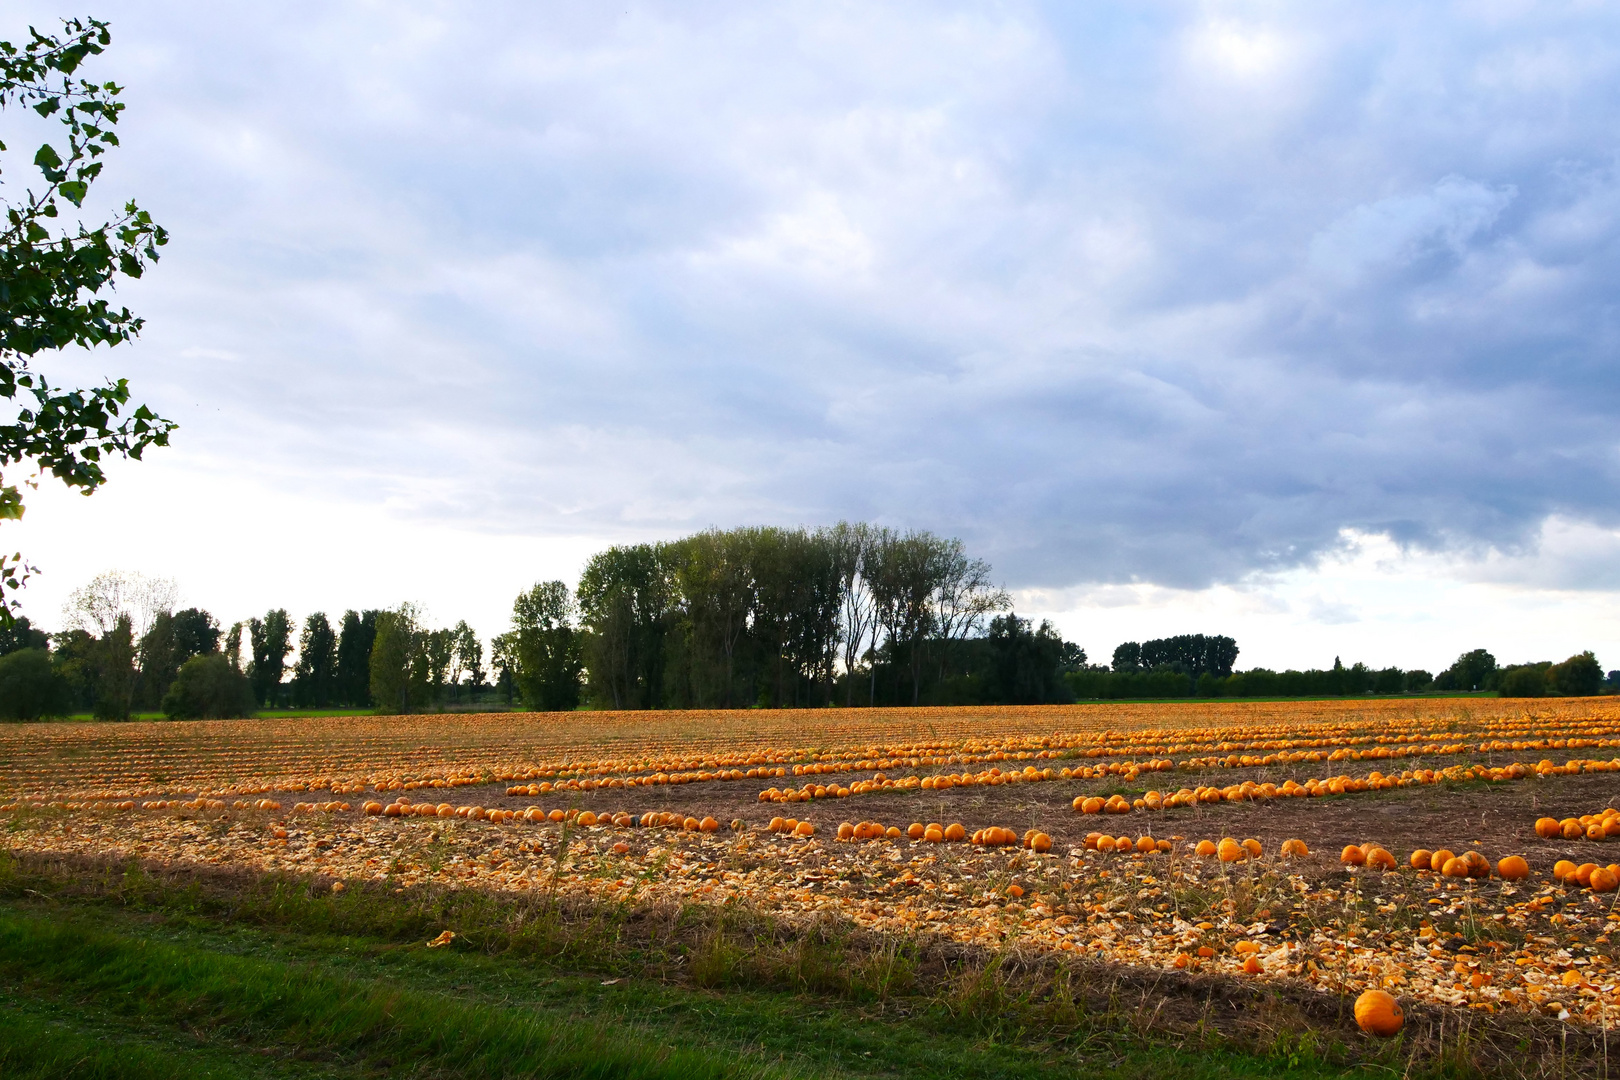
[626,604]
[1025,666]
[158,660]
[315,674]
[857,611]
[271,641]
[233,645]
[1127,656]
[30,687]
[469,660]
[438,653]
[1579,676]
[503,656]
[97,606]
[195,633]
[1524,681]
[1473,670]
[548,666]
[399,679]
[1193,654]
[354,657]
[209,687]
[51,275]
[20,634]
[115,672]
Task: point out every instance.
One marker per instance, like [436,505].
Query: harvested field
[505,804]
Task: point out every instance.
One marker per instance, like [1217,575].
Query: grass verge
[285,975]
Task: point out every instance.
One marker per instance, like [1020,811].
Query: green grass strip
[254,1001]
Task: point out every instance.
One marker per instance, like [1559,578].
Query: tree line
[852,614]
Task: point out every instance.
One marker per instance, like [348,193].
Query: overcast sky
[1296,322]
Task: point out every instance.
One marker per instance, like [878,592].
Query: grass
[129,974]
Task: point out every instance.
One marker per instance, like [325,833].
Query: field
[672,894]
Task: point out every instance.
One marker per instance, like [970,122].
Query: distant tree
[1025,666]
[438,653]
[30,687]
[195,633]
[75,656]
[315,674]
[20,634]
[97,606]
[469,663]
[115,672]
[233,645]
[1417,681]
[852,545]
[399,678]
[354,657]
[503,657]
[159,661]
[209,687]
[1127,657]
[1193,654]
[51,275]
[1579,676]
[271,641]
[1523,681]
[1473,670]
[548,648]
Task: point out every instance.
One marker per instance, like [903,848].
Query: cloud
[1164,296]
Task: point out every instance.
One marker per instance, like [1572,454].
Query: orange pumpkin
[1294,848]
[1379,859]
[1563,870]
[1438,860]
[1513,868]
[1420,858]
[1548,828]
[1253,848]
[1379,1014]
[1572,828]
[1601,879]
[1206,848]
[1229,850]
[955,833]
[1352,856]
[804,828]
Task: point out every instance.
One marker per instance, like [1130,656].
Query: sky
[1292,322]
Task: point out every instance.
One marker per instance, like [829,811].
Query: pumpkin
[1420,858]
[1105,843]
[1601,879]
[915,830]
[555,815]
[1563,870]
[1092,805]
[1352,856]
[1583,873]
[1205,848]
[1478,865]
[1597,831]
[1122,844]
[708,824]
[1294,849]
[1146,844]
[1454,867]
[1253,848]
[933,834]
[1513,868]
[1548,828]
[777,824]
[1379,1014]
[1438,860]
[804,828]
[1230,850]
[1379,859]
[373,808]
[1572,828]
[1040,843]
[892,832]
[586,820]
[1165,847]
[955,833]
